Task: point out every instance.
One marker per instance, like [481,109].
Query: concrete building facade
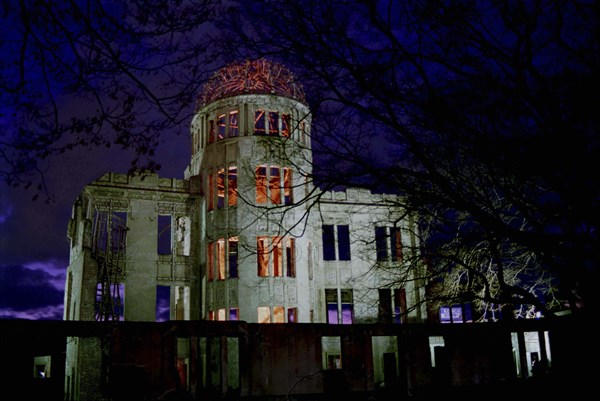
[244,236]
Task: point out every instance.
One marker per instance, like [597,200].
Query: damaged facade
[244,236]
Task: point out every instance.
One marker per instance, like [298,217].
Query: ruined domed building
[245,236]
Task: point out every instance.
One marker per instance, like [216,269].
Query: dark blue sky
[34,249]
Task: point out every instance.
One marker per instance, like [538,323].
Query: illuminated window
[270,250]
[264,314]
[278,314]
[269,185]
[259,122]
[388,244]
[290,257]
[234,314]
[225,262]
[221,127]
[273,123]
[458,313]
[211,315]
[344,305]
[275,186]
[220,188]
[287,186]
[277,257]
[285,125]
[233,124]
[221,315]
[262,244]
[329,242]
[221,258]
[232,186]
[261,185]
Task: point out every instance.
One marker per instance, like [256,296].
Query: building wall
[116,231]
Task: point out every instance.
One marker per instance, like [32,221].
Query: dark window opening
[328,243]
[385,305]
[273,123]
[233,257]
[164,242]
[388,250]
[221,127]
[343,242]
[163,303]
[232,186]
[233,124]
[211,131]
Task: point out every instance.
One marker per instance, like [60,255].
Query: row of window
[273,186]
[224,187]
[265,314]
[226,124]
[336,243]
[340,308]
[266,122]
[275,257]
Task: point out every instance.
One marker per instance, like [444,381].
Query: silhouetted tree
[480,114]
[94,73]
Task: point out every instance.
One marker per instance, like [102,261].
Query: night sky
[34,249]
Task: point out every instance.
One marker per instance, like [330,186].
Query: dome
[251,77]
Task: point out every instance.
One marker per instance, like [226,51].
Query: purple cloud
[33,291]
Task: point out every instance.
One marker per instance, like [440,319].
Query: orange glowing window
[275,186]
[277,257]
[264,314]
[232,186]
[285,125]
[261,185]
[221,127]
[290,258]
[221,258]
[287,186]
[262,253]
[278,314]
[221,188]
[273,123]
